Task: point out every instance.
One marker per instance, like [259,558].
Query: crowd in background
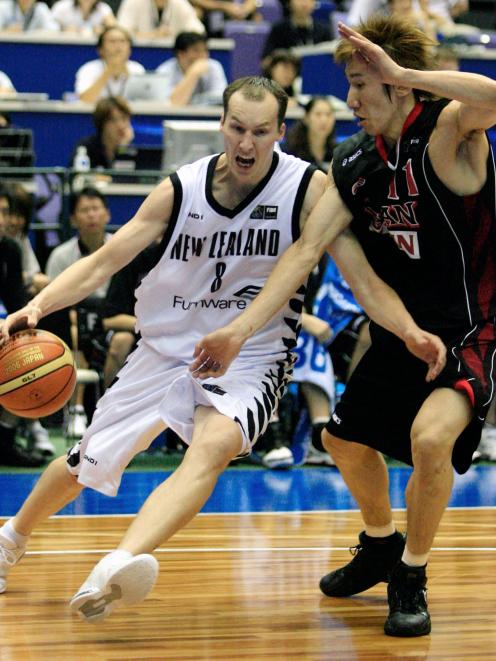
[333,323]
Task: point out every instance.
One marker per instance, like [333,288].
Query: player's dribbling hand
[26,317]
[215,352]
[429,348]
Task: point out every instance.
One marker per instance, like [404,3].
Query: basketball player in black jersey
[416,186]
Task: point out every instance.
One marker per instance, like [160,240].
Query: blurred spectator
[284,68]
[214,13]
[446,9]
[83,16]
[441,12]
[17,228]
[118,308]
[26,16]
[446,59]
[347,338]
[112,120]
[192,76]
[89,216]
[156,19]
[313,138]
[429,23]
[13,296]
[298,30]
[108,75]
[6,85]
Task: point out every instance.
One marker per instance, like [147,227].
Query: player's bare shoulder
[316,188]
[458,150]
[159,204]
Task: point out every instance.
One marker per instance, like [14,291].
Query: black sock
[317,428]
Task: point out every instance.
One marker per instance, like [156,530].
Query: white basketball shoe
[119,579]
[10,554]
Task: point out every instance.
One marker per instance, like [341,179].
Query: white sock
[8,531]
[380,531]
[413,560]
[120,554]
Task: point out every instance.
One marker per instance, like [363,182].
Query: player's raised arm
[88,273]
[475,93]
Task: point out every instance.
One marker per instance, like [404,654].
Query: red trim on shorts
[463,385]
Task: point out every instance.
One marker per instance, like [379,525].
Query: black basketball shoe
[407,597]
[374,559]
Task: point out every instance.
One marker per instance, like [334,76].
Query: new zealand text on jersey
[225,244]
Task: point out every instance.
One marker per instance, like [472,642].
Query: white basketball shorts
[154,392]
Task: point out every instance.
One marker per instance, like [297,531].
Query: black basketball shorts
[387,390]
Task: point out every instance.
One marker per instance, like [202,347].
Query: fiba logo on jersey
[265,212]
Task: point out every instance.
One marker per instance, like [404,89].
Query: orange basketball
[37,374]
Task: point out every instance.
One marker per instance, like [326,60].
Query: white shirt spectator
[92,70]
[38,17]
[360,10]
[141,16]
[69,16]
[6,84]
[68,253]
[209,87]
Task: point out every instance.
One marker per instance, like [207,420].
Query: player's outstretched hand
[429,348]
[376,59]
[215,352]
[26,317]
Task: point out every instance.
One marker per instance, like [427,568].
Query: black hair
[22,204]
[103,111]
[185,40]
[87,191]
[282,55]
[6,192]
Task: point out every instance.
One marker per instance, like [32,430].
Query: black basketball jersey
[435,248]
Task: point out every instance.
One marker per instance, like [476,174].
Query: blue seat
[249,40]
[271,10]
[323,10]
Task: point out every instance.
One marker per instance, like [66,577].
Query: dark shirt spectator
[12,290]
[284,68]
[118,314]
[12,294]
[298,30]
[112,120]
[313,138]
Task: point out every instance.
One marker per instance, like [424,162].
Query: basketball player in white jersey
[226,219]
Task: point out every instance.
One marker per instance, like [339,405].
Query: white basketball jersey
[216,260]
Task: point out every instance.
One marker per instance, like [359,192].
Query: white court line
[260,549]
[264,513]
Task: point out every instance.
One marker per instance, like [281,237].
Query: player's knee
[214,452]
[431,447]
[59,466]
[341,451]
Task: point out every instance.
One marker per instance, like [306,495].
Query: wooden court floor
[245,586]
